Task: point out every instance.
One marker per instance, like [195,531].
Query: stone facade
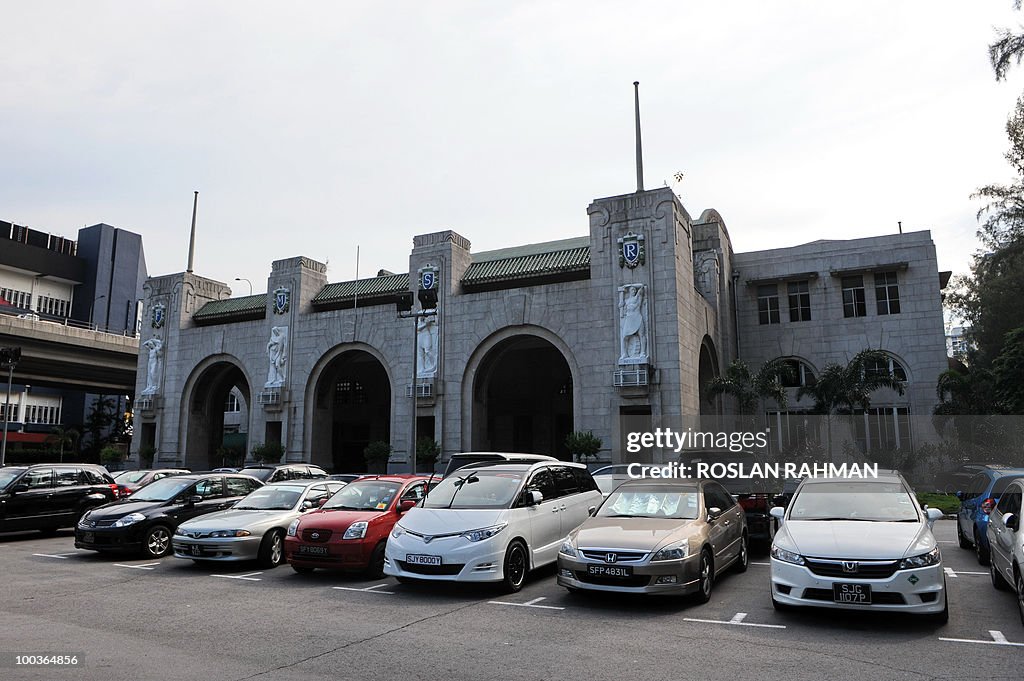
[531,342]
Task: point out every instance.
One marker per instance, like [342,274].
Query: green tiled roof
[565,261]
[375,287]
[232,309]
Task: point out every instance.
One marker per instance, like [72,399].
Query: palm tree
[750,388]
[841,389]
[63,437]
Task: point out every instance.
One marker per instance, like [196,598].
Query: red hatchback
[349,531]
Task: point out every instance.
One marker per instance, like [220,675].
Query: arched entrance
[205,444]
[707,369]
[351,408]
[523,398]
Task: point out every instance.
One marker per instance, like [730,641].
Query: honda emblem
[850,566]
[610,557]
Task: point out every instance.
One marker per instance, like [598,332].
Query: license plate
[313,550]
[89,536]
[195,550]
[621,571]
[419,559]
[851,593]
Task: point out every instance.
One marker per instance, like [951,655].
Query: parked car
[657,537]
[463,459]
[252,529]
[129,481]
[288,471]
[345,477]
[145,522]
[48,496]
[858,544]
[977,499]
[349,532]
[492,523]
[955,479]
[1007,543]
[611,476]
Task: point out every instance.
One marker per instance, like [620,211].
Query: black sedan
[145,522]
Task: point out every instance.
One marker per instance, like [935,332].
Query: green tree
[583,445]
[63,438]
[749,388]
[102,415]
[1008,373]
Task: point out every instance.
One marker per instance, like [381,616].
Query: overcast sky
[311,127]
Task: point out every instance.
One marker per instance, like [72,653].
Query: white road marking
[247,577]
[369,589]
[62,556]
[528,604]
[753,563]
[737,621]
[145,566]
[945,541]
[956,573]
[997,640]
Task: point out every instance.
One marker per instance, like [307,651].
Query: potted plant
[267,452]
[147,455]
[377,455]
[427,453]
[583,445]
[112,457]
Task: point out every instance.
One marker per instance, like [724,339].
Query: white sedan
[858,544]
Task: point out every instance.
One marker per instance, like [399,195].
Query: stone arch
[349,402]
[202,409]
[707,369]
[502,360]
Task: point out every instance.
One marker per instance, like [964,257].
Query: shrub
[270,452]
[583,445]
[427,452]
[377,454]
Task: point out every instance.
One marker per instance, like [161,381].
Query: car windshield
[261,474]
[162,490]
[130,476]
[651,502]
[475,489]
[271,498]
[854,500]
[364,495]
[8,474]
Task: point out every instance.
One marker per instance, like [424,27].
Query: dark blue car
[980,495]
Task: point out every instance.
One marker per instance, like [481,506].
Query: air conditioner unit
[632,377]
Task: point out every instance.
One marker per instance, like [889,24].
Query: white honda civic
[858,544]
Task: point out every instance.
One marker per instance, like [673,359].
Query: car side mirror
[19,488]
[406,504]
[307,504]
[959,495]
[933,515]
[533,497]
[194,499]
[777,512]
[1012,521]
[592,511]
[714,512]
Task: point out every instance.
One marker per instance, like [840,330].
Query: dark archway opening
[707,369]
[205,443]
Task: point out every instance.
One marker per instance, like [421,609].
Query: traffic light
[428,298]
[403,301]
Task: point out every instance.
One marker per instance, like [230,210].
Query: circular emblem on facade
[158,315]
[428,277]
[631,250]
[282,300]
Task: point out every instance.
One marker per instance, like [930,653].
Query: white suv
[858,544]
[492,523]
[1006,543]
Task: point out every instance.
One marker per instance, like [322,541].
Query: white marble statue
[155,346]
[426,347]
[277,352]
[633,324]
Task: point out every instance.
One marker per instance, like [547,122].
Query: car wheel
[302,569]
[965,543]
[941,617]
[980,551]
[744,558]
[997,579]
[705,578]
[272,549]
[1020,595]
[515,567]
[157,542]
[375,570]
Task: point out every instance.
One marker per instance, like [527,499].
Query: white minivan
[492,523]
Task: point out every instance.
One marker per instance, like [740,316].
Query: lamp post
[246,281]
[428,305]
[8,357]
[93,307]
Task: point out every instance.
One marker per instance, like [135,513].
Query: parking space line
[736,621]
[369,589]
[146,566]
[62,556]
[529,604]
[997,640]
[248,577]
[765,564]
[950,572]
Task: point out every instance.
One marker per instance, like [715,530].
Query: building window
[887,293]
[882,428]
[347,391]
[853,297]
[768,303]
[886,367]
[798,375]
[799,301]
[793,431]
[231,404]
[17,298]
[52,306]
[13,409]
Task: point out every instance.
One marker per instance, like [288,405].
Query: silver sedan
[254,528]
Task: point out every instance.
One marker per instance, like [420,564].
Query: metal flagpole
[639,149]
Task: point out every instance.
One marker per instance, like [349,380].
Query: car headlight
[178,532]
[673,552]
[356,530]
[85,516]
[922,560]
[230,533]
[484,532]
[397,531]
[130,519]
[785,556]
[293,527]
[568,549]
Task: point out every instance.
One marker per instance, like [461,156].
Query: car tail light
[124,491]
[988,505]
[754,502]
[117,490]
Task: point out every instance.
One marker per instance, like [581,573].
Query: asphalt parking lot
[138,619]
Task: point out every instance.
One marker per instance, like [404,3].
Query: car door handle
[554,510]
[726,522]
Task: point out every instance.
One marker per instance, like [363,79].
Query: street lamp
[8,357]
[428,305]
[93,308]
[246,281]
